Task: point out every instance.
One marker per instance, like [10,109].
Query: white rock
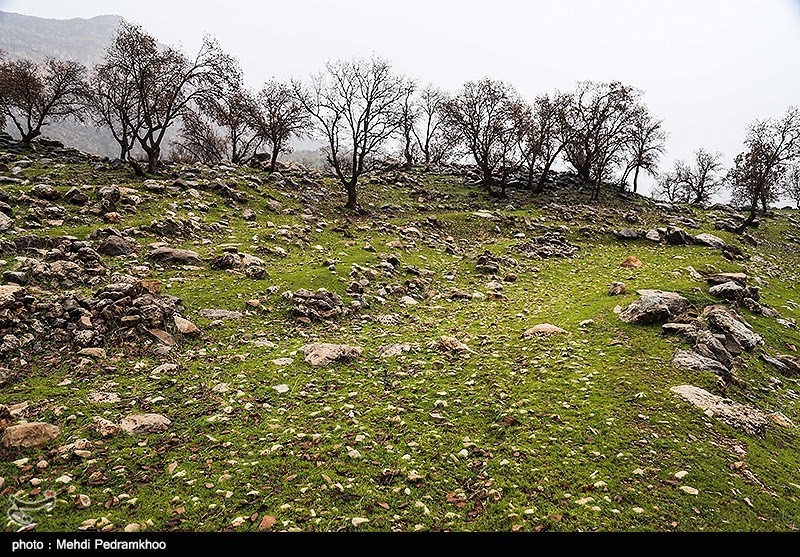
[282,388]
[688,489]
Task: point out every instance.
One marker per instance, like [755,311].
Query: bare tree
[702,180]
[645,143]
[355,106]
[277,115]
[481,116]
[114,104]
[599,118]
[541,136]
[220,128]
[669,186]
[760,173]
[32,96]
[409,114]
[434,144]
[167,81]
[792,185]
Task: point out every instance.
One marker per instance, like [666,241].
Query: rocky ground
[227,349]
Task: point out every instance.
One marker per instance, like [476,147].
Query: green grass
[568,433]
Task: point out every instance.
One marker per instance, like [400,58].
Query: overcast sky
[707,67]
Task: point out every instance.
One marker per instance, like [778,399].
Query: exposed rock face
[720,278]
[174,255]
[31,434]
[323,353]
[137,424]
[653,306]
[316,306]
[544,330]
[744,418]
[548,245]
[721,319]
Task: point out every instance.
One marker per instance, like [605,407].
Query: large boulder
[742,417]
[677,236]
[6,222]
[653,306]
[31,434]
[720,278]
[45,191]
[721,319]
[323,353]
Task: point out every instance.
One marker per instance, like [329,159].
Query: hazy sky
[708,67]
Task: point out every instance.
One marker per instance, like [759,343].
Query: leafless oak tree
[355,106]
[481,116]
[167,81]
[409,114]
[599,118]
[33,95]
[277,115]
[429,132]
[645,143]
[759,173]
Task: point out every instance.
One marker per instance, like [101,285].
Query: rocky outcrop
[653,306]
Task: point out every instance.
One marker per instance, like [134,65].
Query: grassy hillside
[573,431]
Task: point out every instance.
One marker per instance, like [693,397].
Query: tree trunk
[30,136]
[543,178]
[273,161]
[751,217]
[764,204]
[487,179]
[137,168]
[152,159]
[352,203]
[529,179]
[635,179]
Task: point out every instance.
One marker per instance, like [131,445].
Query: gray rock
[653,235]
[710,240]
[739,416]
[720,278]
[220,314]
[627,234]
[686,329]
[76,196]
[31,434]
[323,353]
[730,290]
[677,236]
[654,305]
[6,222]
[685,359]
[115,246]
[174,255]
[393,350]
[137,424]
[721,319]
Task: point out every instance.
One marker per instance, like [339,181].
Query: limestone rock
[543,329]
[323,353]
[685,359]
[710,240]
[742,417]
[617,289]
[144,423]
[721,319]
[174,255]
[654,305]
[393,350]
[730,290]
[185,326]
[31,434]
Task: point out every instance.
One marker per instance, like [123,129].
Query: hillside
[488,365]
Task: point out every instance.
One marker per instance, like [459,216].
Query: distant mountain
[81,40]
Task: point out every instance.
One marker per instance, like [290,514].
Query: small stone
[353,453]
[145,423]
[638,510]
[132,527]
[631,262]
[185,326]
[96,353]
[688,489]
[617,289]
[282,361]
[780,420]
[83,501]
[282,388]
[63,479]
[543,329]
[357,521]
[680,475]
[105,427]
